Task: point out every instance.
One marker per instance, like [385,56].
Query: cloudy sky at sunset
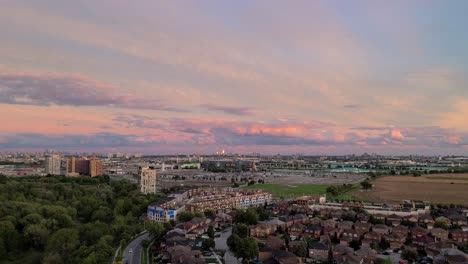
[167,77]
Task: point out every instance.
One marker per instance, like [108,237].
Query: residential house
[457,219]
[459,235]
[276,222]
[296,230]
[275,242]
[315,221]
[285,257]
[332,232]
[340,250]
[440,233]
[348,258]
[345,225]
[367,254]
[396,240]
[363,217]
[262,230]
[184,254]
[336,214]
[425,220]
[411,218]
[418,231]
[451,256]
[381,229]
[436,248]
[394,219]
[422,241]
[362,227]
[353,234]
[313,231]
[371,237]
[379,217]
[329,223]
[318,251]
[401,230]
[265,254]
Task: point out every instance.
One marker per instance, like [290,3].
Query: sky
[182,77]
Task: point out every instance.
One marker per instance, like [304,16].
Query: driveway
[135,245]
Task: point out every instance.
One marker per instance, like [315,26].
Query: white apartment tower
[52,165]
[148,179]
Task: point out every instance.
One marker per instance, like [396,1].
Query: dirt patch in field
[442,189]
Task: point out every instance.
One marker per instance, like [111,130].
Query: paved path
[221,243]
[135,245]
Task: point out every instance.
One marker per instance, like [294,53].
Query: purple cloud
[232,110]
[45,90]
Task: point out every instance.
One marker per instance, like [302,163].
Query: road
[221,243]
[135,245]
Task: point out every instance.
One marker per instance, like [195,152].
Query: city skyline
[246,76]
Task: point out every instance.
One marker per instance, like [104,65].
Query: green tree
[156,229]
[184,216]
[242,230]
[63,242]
[208,243]
[211,232]
[366,185]
[209,213]
[409,255]
[441,224]
[300,251]
[37,235]
[250,248]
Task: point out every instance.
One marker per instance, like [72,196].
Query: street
[135,245]
[221,243]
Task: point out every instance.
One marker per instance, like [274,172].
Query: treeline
[336,190]
[67,220]
[415,171]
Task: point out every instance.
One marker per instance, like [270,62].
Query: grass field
[439,188]
[288,191]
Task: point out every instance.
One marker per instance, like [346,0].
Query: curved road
[221,243]
[135,246]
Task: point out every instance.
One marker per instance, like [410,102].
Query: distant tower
[147,179]
[52,164]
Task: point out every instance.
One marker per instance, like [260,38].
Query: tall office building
[148,179]
[52,164]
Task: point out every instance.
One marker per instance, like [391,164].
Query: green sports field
[287,191]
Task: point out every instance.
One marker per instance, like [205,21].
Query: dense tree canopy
[67,220]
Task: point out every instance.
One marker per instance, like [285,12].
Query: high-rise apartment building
[91,167]
[52,164]
[71,166]
[147,179]
[95,167]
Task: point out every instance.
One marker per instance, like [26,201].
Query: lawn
[286,191]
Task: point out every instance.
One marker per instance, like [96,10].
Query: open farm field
[436,188]
[289,191]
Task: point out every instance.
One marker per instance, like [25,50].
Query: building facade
[147,180]
[227,200]
[91,167]
[52,165]
[95,167]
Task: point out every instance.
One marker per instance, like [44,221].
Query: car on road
[130,251]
